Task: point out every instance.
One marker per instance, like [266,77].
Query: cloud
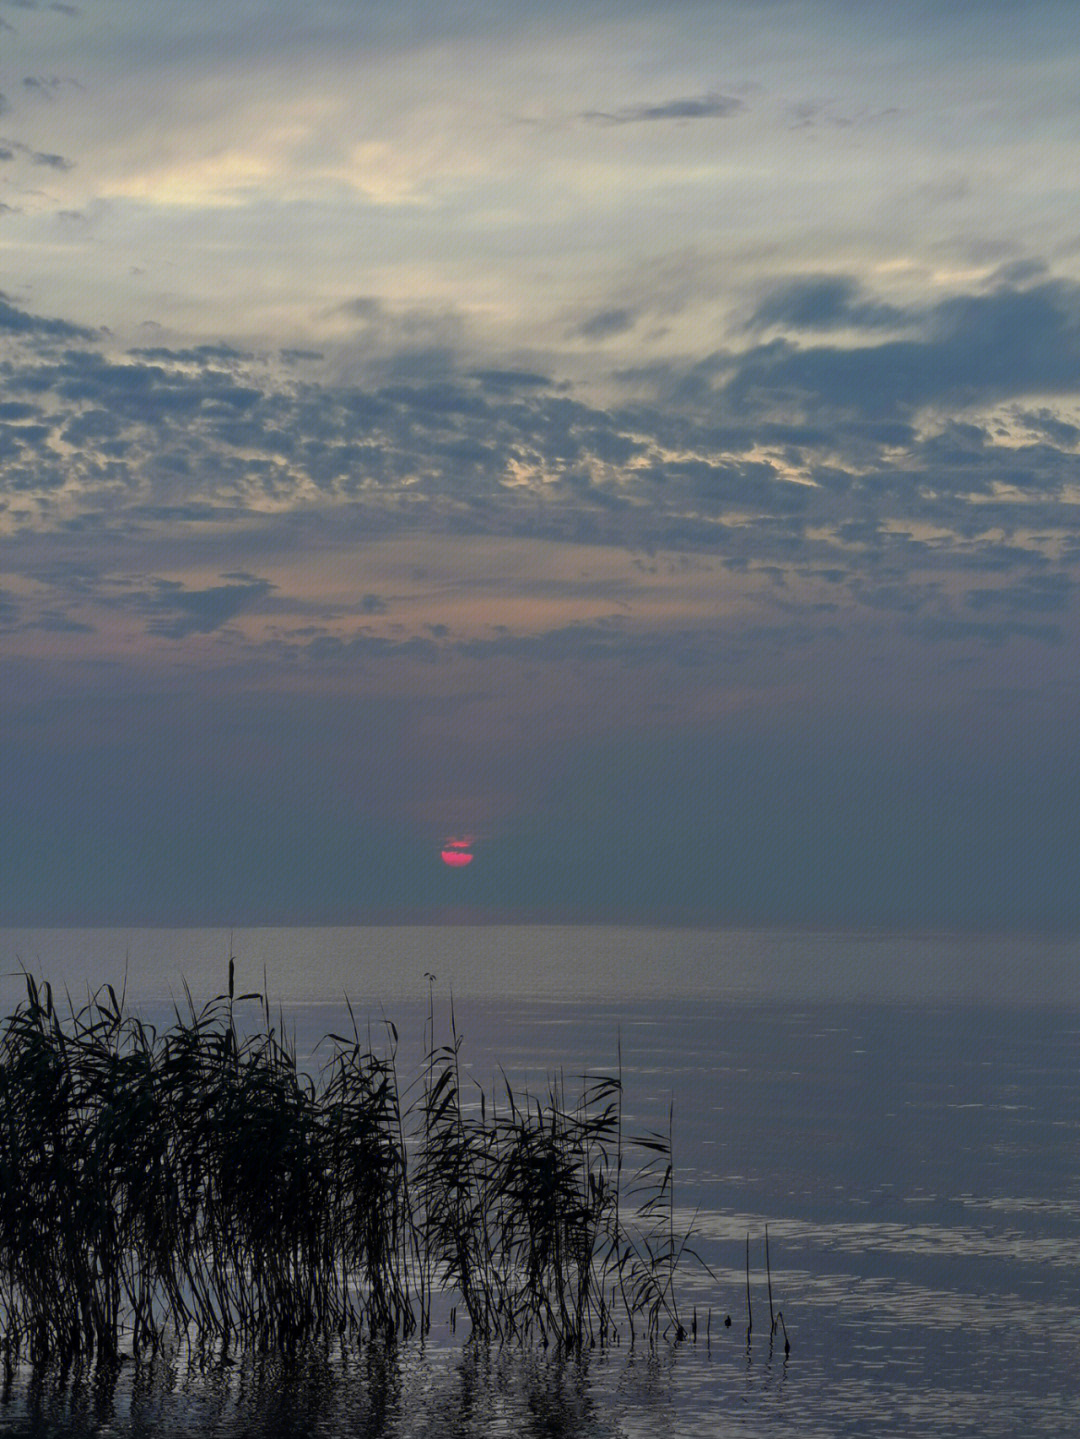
[9,149]
[363,646]
[402,333]
[1040,593]
[19,410]
[568,644]
[55,622]
[195,355]
[605,323]
[54,5]
[362,307]
[46,86]
[984,632]
[294,356]
[815,114]
[822,302]
[50,161]
[803,475]
[504,381]
[175,611]
[697,107]
[1043,422]
[972,349]
[17,321]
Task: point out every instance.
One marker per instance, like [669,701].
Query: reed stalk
[198,1185]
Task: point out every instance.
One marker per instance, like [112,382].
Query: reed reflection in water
[393,1390]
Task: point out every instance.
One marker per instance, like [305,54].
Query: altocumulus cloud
[902,448]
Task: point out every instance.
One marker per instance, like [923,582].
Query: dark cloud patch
[568,644]
[983,632]
[45,86]
[194,513]
[617,644]
[605,324]
[195,355]
[19,435]
[138,391]
[696,107]
[1039,593]
[56,622]
[816,114]
[823,302]
[362,307]
[504,381]
[372,604]
[1019,272]
[15,410]
[53,5]
[1059,432]
[49,161]
[96,427]
[16,321]
[899,598]
[16,149]
[956,443]
[404,340]
[974,348]
[609,641]
[11,443]
[723,485]
[176,611]
[363,646]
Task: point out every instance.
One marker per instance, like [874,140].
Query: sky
[638,441]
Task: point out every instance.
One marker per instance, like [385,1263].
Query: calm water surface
[903,1113]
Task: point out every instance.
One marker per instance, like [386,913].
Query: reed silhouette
[197,1185]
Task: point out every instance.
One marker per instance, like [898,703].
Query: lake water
[903,1113]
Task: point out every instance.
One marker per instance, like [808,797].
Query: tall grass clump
[197,1185]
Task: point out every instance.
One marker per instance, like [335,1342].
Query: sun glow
[457,853]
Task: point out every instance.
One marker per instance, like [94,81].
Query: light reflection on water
[903,1114]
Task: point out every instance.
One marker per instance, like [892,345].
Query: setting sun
[457,853]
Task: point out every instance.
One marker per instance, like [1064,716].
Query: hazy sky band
[644,441]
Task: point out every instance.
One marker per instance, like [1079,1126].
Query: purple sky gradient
[642,438]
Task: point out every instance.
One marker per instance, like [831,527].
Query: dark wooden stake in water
[749,1309]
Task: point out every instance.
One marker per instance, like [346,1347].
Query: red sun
[456,853]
